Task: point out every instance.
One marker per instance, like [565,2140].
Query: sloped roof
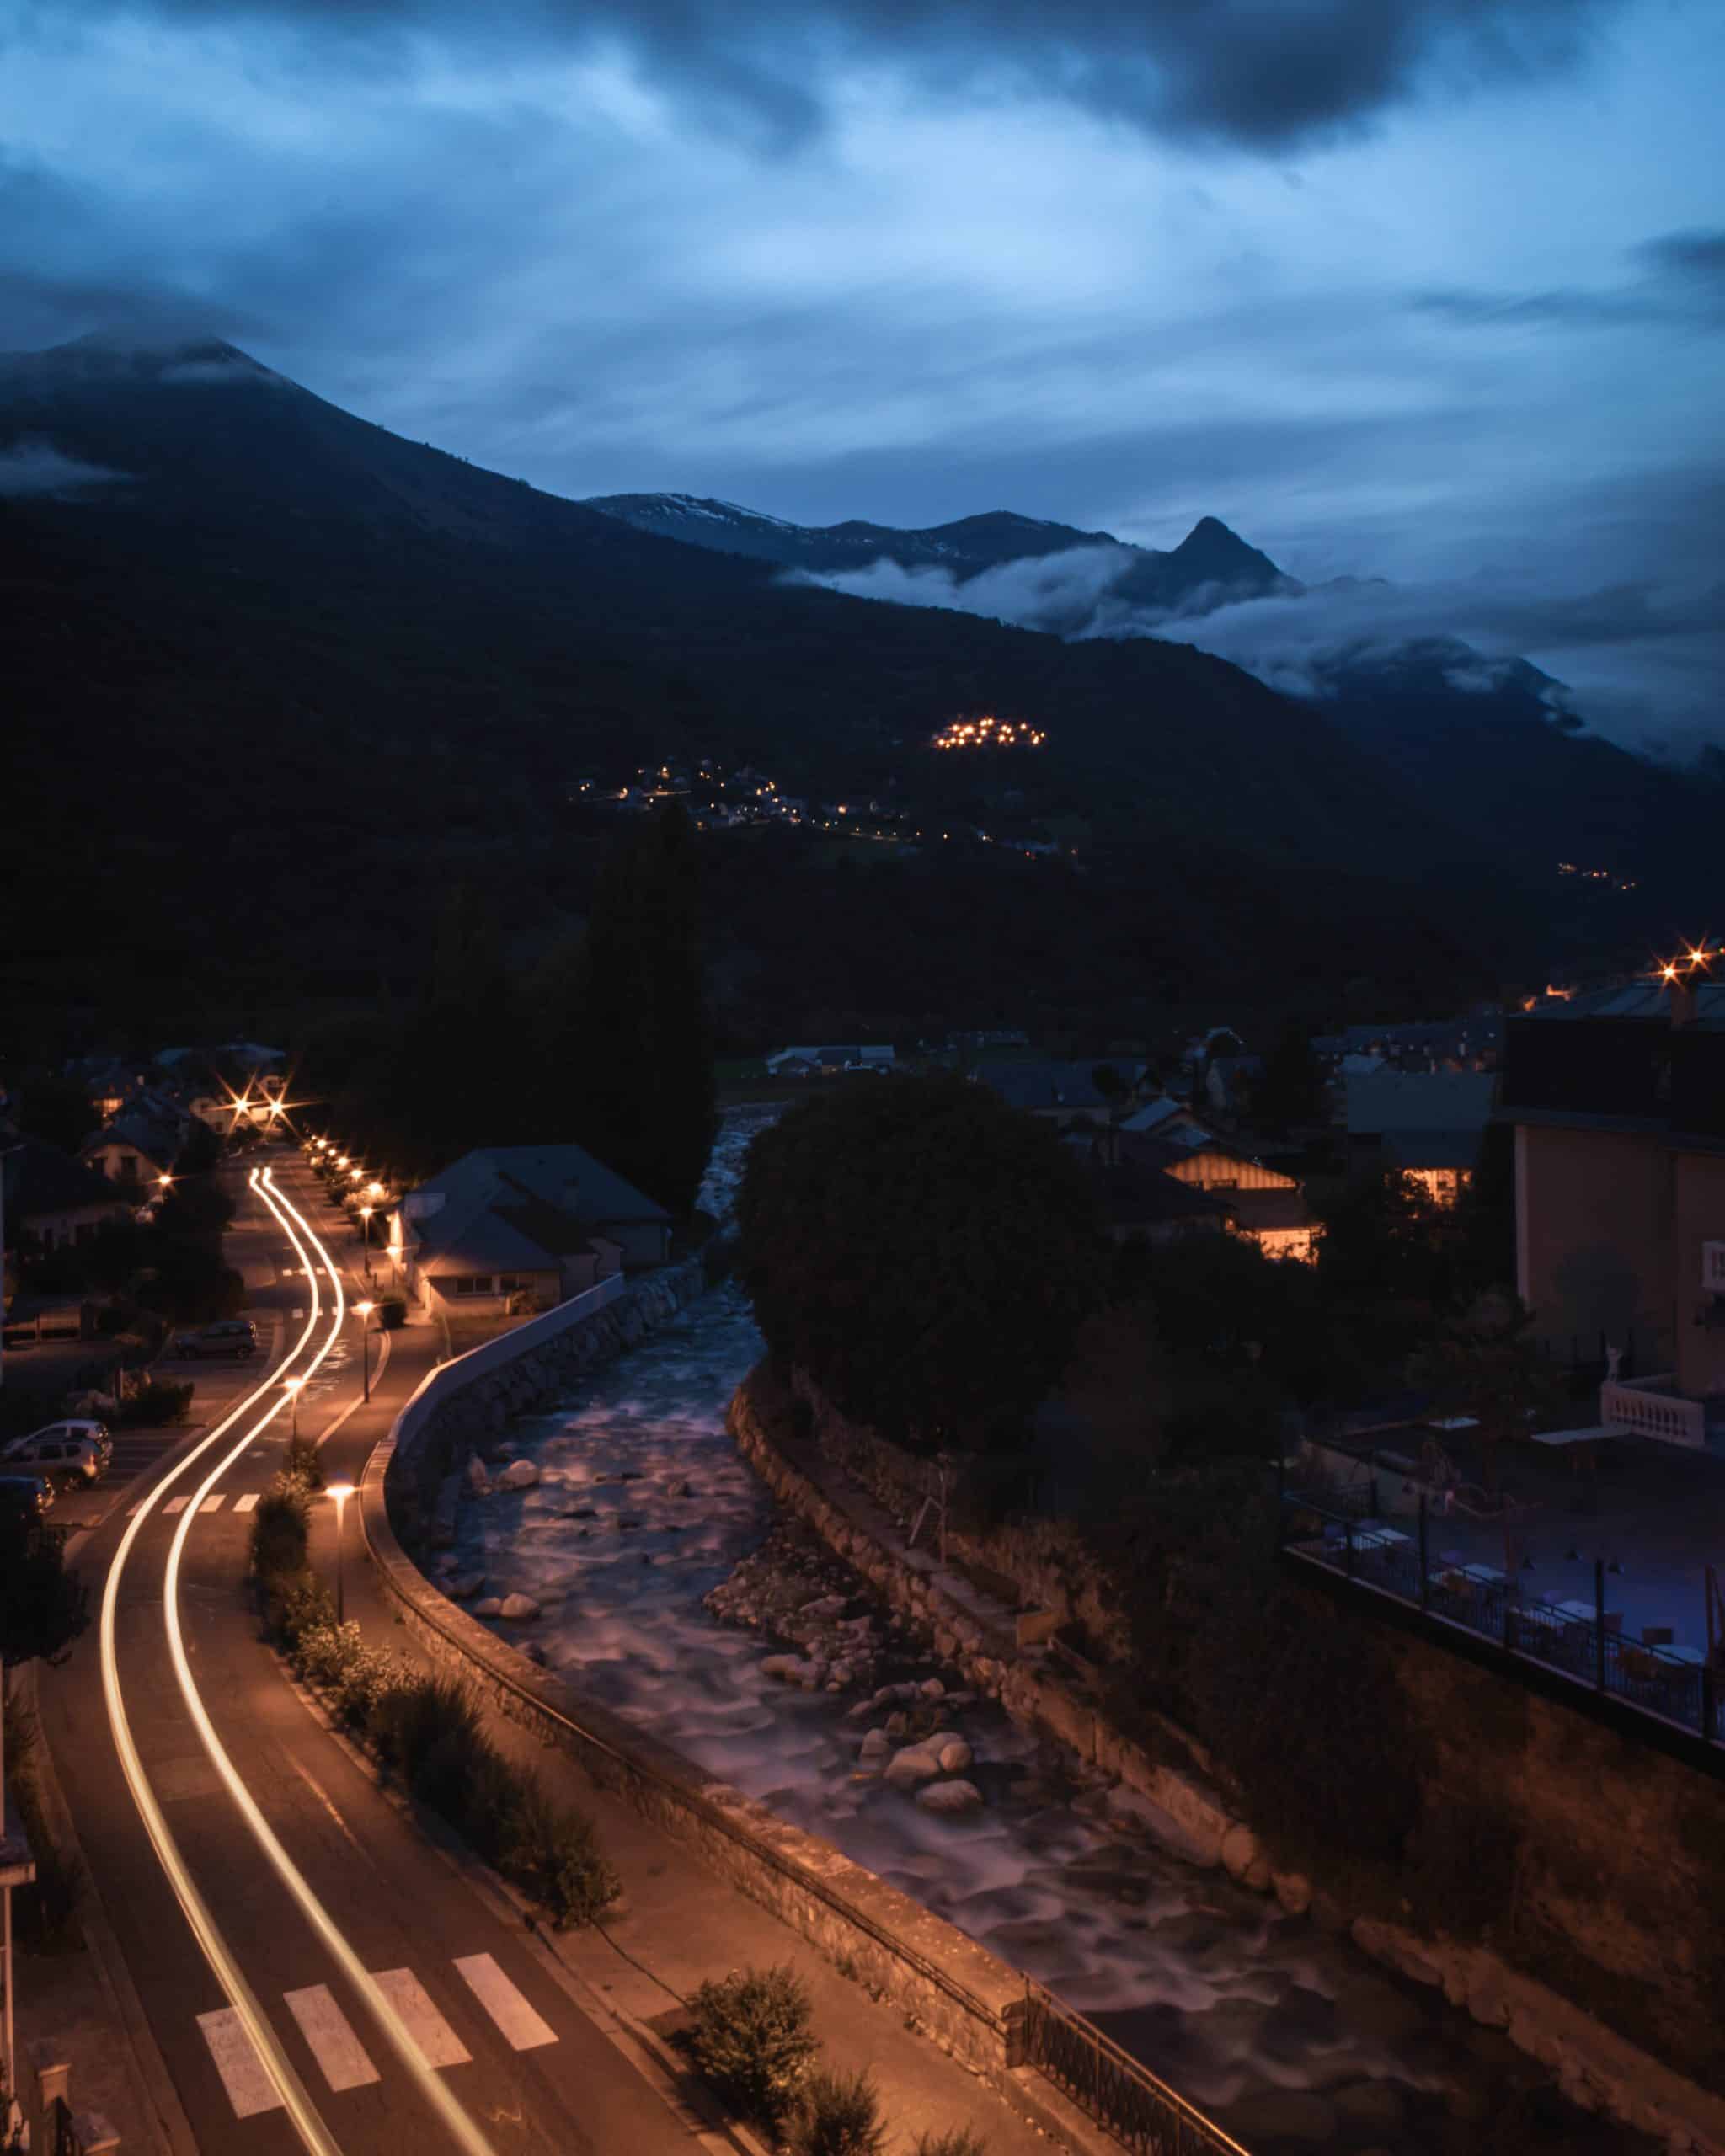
[40,1179]
[1420,1100]
[1432,1149]
[564,1176]
[156,1141]
[1046,1085]
[1640,998]
[1131,1195]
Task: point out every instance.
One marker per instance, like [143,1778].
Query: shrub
[392,1314]
[422,1728]
[839,2115]
[278,1539]
[156,1401]
[551,1851]
[297,1605]
[751,2039]
[303,1467]
[956,2140]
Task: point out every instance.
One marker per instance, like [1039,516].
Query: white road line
[507,2008]
[243,2074]
[175,1505]
[330,2035]
[433,2038]
[211,1504]
[244,1504]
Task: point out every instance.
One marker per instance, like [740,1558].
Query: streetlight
[363,1311]
[292,1387]
[365,1213]
[341,1491]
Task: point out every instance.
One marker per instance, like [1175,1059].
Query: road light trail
[464,2133]
[304,2114]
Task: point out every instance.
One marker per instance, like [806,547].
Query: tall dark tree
[1291,1088]
[927,1253]
[642,1088]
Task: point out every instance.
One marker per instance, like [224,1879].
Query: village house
[1428,1124]
[1261,1202]
[800,1062]
[136,1150]
[521,1226]
[51,1200]
[1618,1103]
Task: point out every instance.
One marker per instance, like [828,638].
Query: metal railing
[1139,2111]
[1577,1641]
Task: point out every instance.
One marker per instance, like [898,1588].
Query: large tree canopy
[926,1253]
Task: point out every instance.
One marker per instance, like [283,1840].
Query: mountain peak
[1210,550]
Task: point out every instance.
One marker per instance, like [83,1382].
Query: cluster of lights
[1596,875]
[1696,959]
[990,733]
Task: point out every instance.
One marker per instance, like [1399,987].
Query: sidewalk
[680,1924]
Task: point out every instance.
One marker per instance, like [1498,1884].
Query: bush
[751,2039]
[392,1314]
[278,1539]
[956,2140]
[297,1605]
[552,1852]
[303,1467]
[156,1401]
[839,2115]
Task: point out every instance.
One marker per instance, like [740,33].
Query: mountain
[281,681]
[1209,563]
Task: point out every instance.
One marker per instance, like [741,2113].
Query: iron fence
[1139,2112]
[1579,1641]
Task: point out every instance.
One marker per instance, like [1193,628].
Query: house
[1137,1198]
[136,1152]
[1060,1092]
[1471,1041]
[794,1061]
[1262,1202]
[1166,1118]
[506,1222]
[51,1200]
[1428,1124]
[1618,1098]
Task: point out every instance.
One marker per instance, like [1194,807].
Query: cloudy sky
[1432,290]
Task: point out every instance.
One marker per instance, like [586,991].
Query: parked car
[76,1451]
[229,1336]
[28,1494]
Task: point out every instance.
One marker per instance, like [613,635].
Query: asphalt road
[397,2010]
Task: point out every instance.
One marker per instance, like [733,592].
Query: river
[1287,2034]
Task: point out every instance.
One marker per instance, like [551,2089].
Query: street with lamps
[341,1491]
[363,1311]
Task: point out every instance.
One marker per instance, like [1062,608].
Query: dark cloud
[1269,74]
[38,467]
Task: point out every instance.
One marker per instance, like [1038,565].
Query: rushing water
[1290,2034]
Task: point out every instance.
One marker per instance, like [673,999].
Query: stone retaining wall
[1596,2067]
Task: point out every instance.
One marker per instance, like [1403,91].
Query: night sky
[1427,290]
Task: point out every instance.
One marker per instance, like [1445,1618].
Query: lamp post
[365,1213]
[363,1311]
[293,1387]
[341,1491]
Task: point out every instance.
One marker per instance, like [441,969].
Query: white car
[76,1451]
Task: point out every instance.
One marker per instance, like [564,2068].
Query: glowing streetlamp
[341,1491]
[293,1387]
[365,1213]
[164,1182]
[363,1311]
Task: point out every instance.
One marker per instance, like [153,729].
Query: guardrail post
[1598,1623]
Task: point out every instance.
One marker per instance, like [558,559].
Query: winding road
[315,1972]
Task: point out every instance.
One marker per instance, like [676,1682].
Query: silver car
[76,1451]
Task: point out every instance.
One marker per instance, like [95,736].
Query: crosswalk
[213,1503]
[342,2056]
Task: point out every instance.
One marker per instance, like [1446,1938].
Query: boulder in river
[490,1607]
[949,1799]
[953,1753]
[915,1763]
[518,1609]
[478,1481]
[465,1586]
[519,1474]
[877,1749]
[932,1688]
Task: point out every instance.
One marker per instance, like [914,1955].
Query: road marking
[330,2035]
[175,1505]
[433,2038]
[505,2004]
[243,2075]
[244,1504]
[211,1504]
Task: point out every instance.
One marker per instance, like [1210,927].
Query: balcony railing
[1653,1407]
